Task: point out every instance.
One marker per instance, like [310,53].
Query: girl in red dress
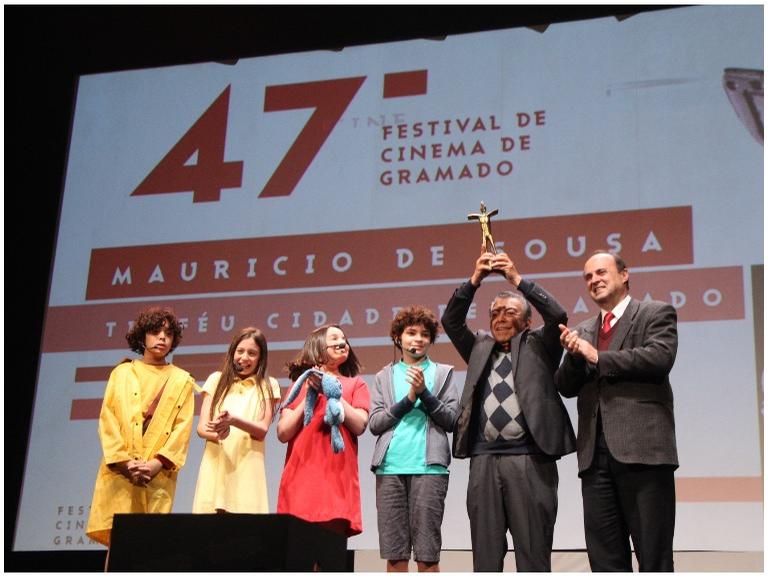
[317,484]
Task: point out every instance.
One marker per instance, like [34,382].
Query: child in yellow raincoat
[144,426]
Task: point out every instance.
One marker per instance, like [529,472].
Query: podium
[224,543]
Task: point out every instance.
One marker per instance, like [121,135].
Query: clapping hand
[221,425]
[415,377]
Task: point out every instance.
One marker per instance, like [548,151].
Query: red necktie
[607,323]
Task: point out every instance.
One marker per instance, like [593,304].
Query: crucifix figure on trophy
[484,217]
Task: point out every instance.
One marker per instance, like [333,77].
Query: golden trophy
[484,217]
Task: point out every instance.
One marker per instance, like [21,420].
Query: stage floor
[691,561]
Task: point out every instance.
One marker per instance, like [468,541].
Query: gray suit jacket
[629,385]
[535,356]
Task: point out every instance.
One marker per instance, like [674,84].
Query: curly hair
[413,316]
[314,353]
[152,319]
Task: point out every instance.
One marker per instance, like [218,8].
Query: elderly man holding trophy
[512,422]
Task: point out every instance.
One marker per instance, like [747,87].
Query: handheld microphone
[238,367]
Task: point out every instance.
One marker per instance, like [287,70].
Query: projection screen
[293,190]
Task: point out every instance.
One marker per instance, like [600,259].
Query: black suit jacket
[535,357]
[629,385]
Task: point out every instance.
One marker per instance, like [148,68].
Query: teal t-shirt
[407,450]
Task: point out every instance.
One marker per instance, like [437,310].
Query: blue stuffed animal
[332,390]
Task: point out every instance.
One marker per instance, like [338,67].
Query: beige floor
[461,561]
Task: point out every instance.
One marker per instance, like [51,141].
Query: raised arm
[454,318]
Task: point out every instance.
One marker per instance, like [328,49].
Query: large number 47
[196,162]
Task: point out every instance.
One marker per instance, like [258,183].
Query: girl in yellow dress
[236,412]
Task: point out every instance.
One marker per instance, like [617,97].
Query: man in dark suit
[512,422]
[618,365]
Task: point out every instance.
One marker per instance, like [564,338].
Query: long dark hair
[228,374]
[314,353]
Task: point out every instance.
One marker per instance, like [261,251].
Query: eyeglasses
[339,346]
[506,312]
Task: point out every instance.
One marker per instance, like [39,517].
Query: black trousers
[516,493]
[623,501]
